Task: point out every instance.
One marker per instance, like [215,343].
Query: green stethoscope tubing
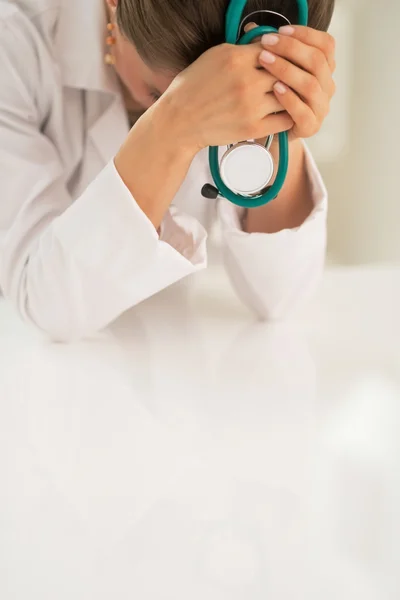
[233,21]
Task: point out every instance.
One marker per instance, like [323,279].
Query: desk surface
[189,452]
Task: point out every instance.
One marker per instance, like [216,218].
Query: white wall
[358,148]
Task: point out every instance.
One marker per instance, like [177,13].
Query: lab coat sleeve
[72,267]
[274,274]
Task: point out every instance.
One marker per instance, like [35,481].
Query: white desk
[190,453]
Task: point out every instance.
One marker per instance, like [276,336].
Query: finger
[271,105]
[313,37]
[308,58]
[304,84]
[302,114]
[262,82]
[274,124]
[247,55]
[250,26]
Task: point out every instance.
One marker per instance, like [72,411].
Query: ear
[112,5]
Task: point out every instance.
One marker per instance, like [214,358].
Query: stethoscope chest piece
[247,168]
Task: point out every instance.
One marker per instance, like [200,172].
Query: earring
[109,59]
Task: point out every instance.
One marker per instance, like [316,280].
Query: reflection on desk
[189,452]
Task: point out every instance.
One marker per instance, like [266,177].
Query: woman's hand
[224,97]
[303,61]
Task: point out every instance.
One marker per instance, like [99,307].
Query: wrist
[172,120]
[294,203]
[155,136]
[153,162]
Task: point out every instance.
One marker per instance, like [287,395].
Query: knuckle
[279,123]
[286,124]
[317,60]
[284,70]
[233,58]
[241,91]
[313,126]
[303,33]
[253,131]
[330,44]
[312,87]
[223,49]
[249,127]
[325,108]
[228,57]
[316,128]
[287,120]
[285,43]
[310,126]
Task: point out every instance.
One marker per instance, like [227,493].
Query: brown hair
[172,34]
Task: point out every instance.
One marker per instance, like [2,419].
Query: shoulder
[32,9]
[34,19]
[26,47]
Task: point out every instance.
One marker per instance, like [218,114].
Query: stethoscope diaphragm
[247,168]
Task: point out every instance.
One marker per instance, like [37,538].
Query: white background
[358,150]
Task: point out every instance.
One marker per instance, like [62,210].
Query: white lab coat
[75,249]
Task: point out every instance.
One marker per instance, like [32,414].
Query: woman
[99,211]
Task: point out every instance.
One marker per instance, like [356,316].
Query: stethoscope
[242,175]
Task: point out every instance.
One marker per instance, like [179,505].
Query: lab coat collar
[81,46]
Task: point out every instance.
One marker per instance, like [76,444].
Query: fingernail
[250,26]
[287,30]
[269,40]
[267,57]
[280,88]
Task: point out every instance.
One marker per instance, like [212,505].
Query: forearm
[294,203]
[154,161]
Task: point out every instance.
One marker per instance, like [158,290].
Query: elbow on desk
[276,297]
[48,307]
